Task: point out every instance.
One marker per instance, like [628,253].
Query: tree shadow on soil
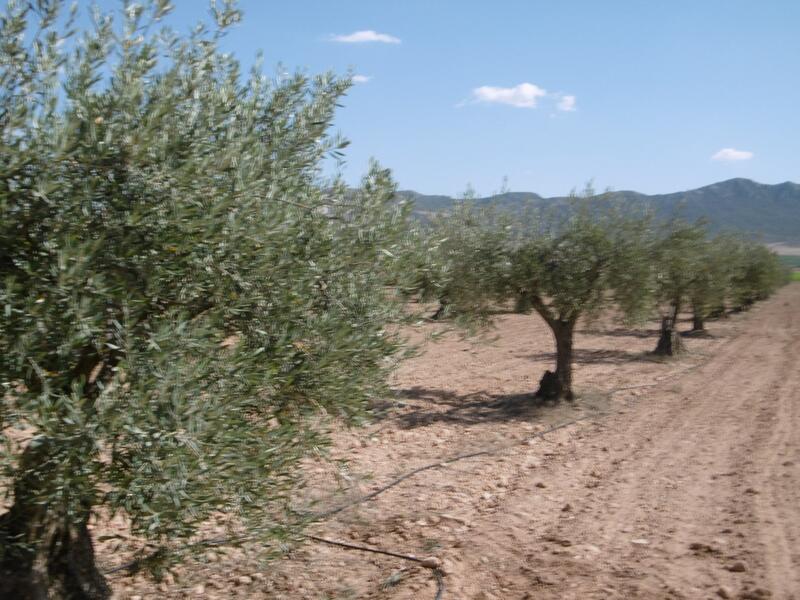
[702,333]
[583,356]
[432,406]
[623,332]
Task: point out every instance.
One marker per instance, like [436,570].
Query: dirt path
[693,494]
[684,485]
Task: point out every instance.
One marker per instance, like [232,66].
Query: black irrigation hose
[444,463]
[438,574]
[349,546]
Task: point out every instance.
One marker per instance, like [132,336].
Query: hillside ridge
[770,211]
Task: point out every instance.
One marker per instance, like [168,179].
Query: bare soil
[784,249]
[668,479]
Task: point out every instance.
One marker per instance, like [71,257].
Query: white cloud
[523,95]
[361,78]
[566,104]
[360,37]
[730,154]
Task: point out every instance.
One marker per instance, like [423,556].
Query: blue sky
[652,96]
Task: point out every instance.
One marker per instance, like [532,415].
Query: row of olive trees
[573,262]
[180,288]
[707,275]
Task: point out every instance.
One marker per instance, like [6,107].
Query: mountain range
[771,212]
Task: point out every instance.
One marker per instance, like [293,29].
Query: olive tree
[460,261]
[757,273]
[180,289]
[572,266]
[694,271]
[679,264]
[711,284]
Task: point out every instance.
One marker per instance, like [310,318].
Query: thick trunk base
[552,389]
[558,386]
[441,311]
[43,554]
[698,329]
[59,567]
[669,342]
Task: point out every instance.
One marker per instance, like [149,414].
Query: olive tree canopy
[179,287]
[574,263]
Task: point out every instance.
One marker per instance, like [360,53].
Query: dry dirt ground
[680,480]
[784,249]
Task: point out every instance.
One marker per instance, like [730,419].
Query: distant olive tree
[179,289]
[461,261]
[679,264]
[572,266]
[757,273]
[701,273]
[711,285]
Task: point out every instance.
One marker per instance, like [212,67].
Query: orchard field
[225,371]
[678,482]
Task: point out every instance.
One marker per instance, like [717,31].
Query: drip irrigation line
[136,563]
[323,540]
[428,563]
[445,462]
[437,572]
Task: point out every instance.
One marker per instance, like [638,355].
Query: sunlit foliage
[180,288]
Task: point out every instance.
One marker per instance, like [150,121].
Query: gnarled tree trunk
[558,385]
[669,342]
[698,317]
[441,310]
[45,553]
